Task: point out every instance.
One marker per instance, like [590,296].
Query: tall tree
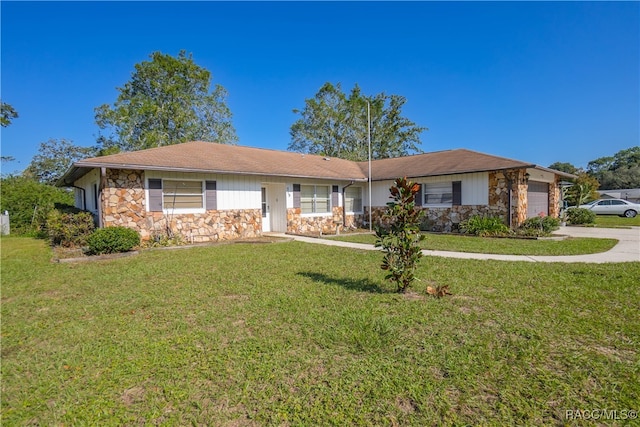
[167,101]
[53,159]
[564,167]
[334,124]
[7,114]
[622,170]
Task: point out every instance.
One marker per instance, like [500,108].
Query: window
[264,202]
[315,199]
[437,194]
[353,199]
[182,194]
[94,194]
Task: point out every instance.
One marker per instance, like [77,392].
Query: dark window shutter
[211,196]
[419,196]
[155,195]
[334,196]
[296,195]
[457,193]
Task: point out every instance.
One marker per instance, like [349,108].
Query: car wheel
[630,213]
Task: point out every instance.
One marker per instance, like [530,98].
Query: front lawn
[491,245]
[302,334]
[608,221]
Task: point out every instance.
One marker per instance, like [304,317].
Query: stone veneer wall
[499,193]
[515,178]
[123,200]
[317,225]
[554,198]
[446,219]
[206,227]
[124,204]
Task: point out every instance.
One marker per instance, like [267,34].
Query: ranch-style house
[205,191]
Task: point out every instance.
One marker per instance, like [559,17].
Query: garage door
[538,198]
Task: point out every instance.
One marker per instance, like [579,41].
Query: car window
[604,203]
[617,202]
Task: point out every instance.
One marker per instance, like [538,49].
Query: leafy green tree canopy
[7,114]
[583,190]
[29,202]
[334,124]
[167,101]
[622,170]
[53,159]
[564,167]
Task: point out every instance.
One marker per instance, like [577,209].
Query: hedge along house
[204,191]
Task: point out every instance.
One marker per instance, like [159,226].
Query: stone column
[554,198]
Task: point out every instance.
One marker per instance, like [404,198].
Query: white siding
[85,199]
[541,176]
[233,191]
[475,188]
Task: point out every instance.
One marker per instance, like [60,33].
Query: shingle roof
[210,157]
[439,163]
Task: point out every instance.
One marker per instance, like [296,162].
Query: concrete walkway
[627,249]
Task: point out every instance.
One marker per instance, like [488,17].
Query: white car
[613,207]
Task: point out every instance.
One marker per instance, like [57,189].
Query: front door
[278,207]
[274,208]
[266,221]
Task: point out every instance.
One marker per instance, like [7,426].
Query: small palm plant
[399,234]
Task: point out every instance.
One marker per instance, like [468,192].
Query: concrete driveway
[627,249]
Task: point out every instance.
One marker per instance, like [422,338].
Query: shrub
[69,229]
[400,235]
[580,216]
[112,239]
[29,203]
[484,226]
[539,226]
[164,240]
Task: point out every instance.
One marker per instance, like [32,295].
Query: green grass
[616,221]
[461,243]
[301,334]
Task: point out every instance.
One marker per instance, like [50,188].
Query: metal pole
[369,141]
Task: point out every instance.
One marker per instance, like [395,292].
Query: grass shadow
[361,285]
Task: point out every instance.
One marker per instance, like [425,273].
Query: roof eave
[557,172]
[73,174]
[91,165]
[458,172]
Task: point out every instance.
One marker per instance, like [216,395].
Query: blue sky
[534,81]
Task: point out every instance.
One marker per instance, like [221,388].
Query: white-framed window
[182,194]
[353,199]
[315,199]
[437,194]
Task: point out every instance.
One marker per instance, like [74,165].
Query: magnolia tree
[399,234]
